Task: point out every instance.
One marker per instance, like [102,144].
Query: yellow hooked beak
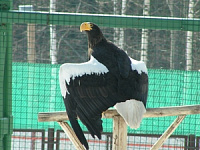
[86,26]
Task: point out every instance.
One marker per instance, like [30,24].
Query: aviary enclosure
[37,36]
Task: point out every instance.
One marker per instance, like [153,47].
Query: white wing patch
[73,70]
[139,66]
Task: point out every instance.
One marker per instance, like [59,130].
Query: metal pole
[191,142]
[50,139]
[5,79]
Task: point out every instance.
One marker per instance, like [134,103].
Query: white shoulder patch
[140,66]
[72,70]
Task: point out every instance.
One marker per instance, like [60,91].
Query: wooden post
[168,132]
[119,141]
[31,52]
[71,135]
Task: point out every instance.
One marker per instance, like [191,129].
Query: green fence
[32,93]
[167,32]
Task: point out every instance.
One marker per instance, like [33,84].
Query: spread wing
[88,89]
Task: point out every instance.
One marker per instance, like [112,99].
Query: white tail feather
[132,111]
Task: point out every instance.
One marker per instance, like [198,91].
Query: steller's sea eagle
[109,78]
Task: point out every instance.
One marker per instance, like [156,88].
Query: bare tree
[53,48]
[119,32]
[174,35]
[53,56]
[189,38]
[145,37]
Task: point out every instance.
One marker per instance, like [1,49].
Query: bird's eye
[91,25]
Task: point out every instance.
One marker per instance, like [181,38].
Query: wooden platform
[119,125]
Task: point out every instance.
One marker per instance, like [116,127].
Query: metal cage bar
[120,21]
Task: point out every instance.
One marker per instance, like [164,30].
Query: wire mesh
[38,50]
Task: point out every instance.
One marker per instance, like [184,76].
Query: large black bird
[109,78]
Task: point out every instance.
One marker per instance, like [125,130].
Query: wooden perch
[119,125]
[110,113]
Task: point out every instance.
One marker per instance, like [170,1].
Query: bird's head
[94,33]
[89,27]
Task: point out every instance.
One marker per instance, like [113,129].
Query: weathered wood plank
[172,111]
[119,141]
[71,135]
[52,116]
[110,113]
[31,52]
[168,132]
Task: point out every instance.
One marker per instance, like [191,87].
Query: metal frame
[42,131]
[121,21]
[108,139]
[197,143]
